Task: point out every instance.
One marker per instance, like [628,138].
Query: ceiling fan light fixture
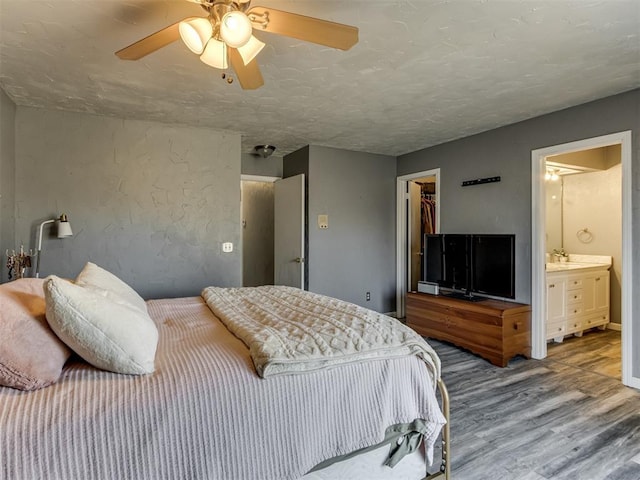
[215,54]
[235,29]
[250,50]
[195,33]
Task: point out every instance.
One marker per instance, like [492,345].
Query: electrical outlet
[227,247]
[368,296]
[323,221]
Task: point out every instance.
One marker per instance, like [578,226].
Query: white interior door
[289,232]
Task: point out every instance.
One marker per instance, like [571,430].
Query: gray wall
[150,202]
[506,151]
[7,174]
[265,167]
[356,254]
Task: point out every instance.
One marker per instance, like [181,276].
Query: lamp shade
[195,33]
[250,49]
[235,29]
[64,228]
[64,231]
[215,54]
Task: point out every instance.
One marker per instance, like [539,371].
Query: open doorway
[417,209]
[257,207]
[540,159]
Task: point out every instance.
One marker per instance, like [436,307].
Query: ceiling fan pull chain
[226,77]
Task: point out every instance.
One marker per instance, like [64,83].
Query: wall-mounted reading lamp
[64,230]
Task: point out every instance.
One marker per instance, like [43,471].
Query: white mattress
[204,413]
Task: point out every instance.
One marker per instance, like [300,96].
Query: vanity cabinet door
[596,292]
[556,299]
[601,291]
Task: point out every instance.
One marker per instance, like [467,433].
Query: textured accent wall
[151,202]
[7,173]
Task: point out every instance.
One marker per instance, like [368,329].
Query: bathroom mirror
[554,214]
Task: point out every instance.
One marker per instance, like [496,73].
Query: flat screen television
[471,264]
[493,265]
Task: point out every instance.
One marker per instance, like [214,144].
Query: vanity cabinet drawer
[595,321]
[574,310]
[556,329]
[573,283]
[575,296]
[575,325]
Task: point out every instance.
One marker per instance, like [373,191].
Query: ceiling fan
[225,36]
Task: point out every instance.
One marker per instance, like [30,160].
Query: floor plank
[565,417]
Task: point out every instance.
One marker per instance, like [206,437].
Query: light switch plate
[323,221]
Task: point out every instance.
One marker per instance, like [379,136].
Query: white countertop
[573,266]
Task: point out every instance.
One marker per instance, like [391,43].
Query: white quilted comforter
[288,330]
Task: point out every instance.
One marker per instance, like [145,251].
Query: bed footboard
[445,466]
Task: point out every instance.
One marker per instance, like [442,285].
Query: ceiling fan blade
[310,29]
[153,42]
[248,75]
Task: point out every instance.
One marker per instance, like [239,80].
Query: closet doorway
[418,212]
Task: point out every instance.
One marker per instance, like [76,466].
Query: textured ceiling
[423,72]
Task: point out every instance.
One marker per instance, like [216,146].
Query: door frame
[538,247]
[402,239]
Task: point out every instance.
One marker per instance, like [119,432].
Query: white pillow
[108,332]
[95,276]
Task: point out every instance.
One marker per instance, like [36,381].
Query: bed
[205,413]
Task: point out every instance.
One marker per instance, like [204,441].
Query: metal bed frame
[445,464]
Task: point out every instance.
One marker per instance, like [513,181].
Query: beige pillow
[95,276]
[31,356]
[107,331]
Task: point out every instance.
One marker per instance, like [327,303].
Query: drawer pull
[575,311]
[575,296]
[516,325]
[552,286]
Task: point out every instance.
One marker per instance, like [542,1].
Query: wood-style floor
[565,417]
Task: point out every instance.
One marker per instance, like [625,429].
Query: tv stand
[494,329]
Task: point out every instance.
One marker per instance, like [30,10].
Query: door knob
[299,260]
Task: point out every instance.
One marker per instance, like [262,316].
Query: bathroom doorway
[557,156]
[583,228]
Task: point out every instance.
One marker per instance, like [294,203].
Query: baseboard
[614,326]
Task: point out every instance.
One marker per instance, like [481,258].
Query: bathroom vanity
[577,295]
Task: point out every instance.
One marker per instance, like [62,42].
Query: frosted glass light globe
[235,29]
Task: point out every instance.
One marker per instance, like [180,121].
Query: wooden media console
[494,329]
